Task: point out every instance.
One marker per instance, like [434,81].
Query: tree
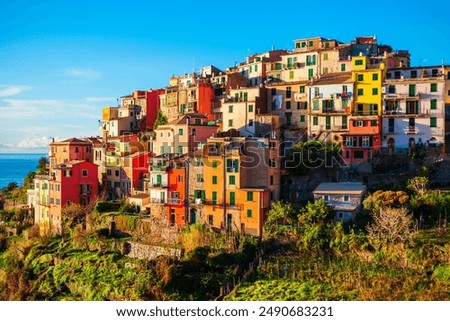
[281,220]
[381,199]
[161,119]
[391,224]
[313,154]
[418,184]
[313,226]
[42,166]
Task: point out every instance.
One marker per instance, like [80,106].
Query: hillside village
[218,147]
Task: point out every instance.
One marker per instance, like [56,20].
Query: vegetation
[161,119]
[313,154]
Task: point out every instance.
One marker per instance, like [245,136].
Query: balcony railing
[174,201]
[158,168]
[411,130]
[157,185]
[221,204]
[157,200]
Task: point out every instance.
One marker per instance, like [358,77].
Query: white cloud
[99,99]
[83,73]
[12,90]
[34,143]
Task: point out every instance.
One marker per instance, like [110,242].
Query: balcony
[227,205]
[160,201]
[174,201]
[158,168]
[411,130]
[158,185]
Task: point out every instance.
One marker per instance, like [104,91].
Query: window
[180,178]
[249,196]
[230,122]
[397,75]
[272,163]
[180,149]
[180,131]
[310,73]
[360,91]
[391,125]
[374,91]
[214,180]
[250,108]
[232,180]
[433,103]
[288,105]
[391,89]
[230,108]
[232,198]
[344,122]
[194,132]
[374,76]
[358,123]
[315,121]
[302,89]
[315,104]
[326,197]
[413,73]
[210,219]
[346,198]
[325,56]
[214,164]
[325,70]
[214,197]
[271,179]
[373,123]
[84,173]
[365,141]
[161,149]
[288,92]
[359,62]
[433,122]
[273,91]
[342,67]
[433,88]
[291,74]
[232,165]
[311,43]
[358,154]
[249,213]
[199,177]
[302,118]
[360,77]
[250,123]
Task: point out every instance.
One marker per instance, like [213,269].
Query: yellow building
[238,182]
[368,82]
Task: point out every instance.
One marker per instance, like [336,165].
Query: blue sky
[62,61]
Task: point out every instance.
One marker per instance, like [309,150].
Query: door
[193,216]
[229,222]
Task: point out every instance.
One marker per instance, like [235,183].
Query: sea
[14,167]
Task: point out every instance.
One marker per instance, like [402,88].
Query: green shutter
[214,197]
[433,103]
[433,121]
[232,198]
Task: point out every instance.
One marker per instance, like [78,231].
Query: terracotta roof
[333,78]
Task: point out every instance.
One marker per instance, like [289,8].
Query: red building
[362,140]
[74,182]
[205,97]
[176,193]
[152,105]
[136,168]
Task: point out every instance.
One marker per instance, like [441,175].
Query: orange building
[176,192]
